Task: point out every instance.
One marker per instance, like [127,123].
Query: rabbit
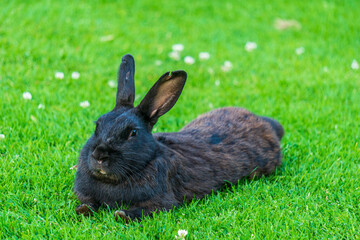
[123,163]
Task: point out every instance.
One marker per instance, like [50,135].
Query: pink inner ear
[153,113]
[127,75]
[161,105]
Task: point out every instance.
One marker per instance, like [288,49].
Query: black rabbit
[124,163]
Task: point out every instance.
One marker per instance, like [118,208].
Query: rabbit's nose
[100,153]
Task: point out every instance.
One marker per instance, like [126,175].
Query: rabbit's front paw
[85,210]
[121,214]
[130,215]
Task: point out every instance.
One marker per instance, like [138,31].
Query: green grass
[314,194]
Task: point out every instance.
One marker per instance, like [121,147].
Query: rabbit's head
[122,144]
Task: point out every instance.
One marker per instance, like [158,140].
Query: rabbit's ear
[162,96]
[126,88]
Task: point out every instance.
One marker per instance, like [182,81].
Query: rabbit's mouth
[104,176]
[100,171]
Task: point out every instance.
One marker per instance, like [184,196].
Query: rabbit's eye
[133,133]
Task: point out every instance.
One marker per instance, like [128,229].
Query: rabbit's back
[226,144]
[234,121]
[238,135]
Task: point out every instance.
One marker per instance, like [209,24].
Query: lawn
[304,75]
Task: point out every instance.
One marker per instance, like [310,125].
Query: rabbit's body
[224,145]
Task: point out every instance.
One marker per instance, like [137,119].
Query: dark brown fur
[224,145]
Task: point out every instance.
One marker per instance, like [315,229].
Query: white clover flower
[107,38]
[300,50]
[174,55]
[112,83]
[59,75]
[181,234]
[355,65]
[217,83]
[158,62]
[204,56]
[325,69]
[178,47]
[283,24]
[27,96]
[35,200]
[2,136]
[41,106]
[84,104]
[227,66]
[189,60]
[250,46]
[75,75]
